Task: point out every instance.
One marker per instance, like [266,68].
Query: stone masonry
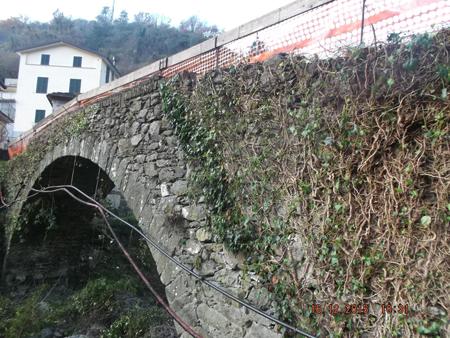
[131,140]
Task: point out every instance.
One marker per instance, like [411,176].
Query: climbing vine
[332,177]
[22,167]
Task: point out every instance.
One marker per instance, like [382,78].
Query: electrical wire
[98,206]
[178,263]
[5,205]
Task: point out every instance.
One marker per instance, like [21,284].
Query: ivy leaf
[425,220]
[410,64]
[390,82]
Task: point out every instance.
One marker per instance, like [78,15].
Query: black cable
[98,206]
[181,265]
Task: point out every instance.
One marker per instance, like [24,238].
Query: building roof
[57,43]
[60,96]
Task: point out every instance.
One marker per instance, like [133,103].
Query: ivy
[209,180]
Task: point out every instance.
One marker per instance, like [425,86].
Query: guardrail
[8,109]
[309,27]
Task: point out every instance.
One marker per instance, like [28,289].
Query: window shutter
[45,59]
[75,86]
[77,60]
[41,85]
[39,115]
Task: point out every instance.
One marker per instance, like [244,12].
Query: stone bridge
[127,142]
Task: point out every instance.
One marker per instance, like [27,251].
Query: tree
[147,38]
[123,18]
[60,23]
[105,16]
[195,25]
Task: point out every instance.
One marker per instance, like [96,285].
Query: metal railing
[7,108]
[309,27]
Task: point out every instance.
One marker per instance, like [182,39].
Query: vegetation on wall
[332,176]
[22,168]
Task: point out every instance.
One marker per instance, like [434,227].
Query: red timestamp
[391,309]
[338,309]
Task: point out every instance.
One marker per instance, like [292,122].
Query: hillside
[132,43]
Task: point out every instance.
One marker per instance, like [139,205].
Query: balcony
[7,110]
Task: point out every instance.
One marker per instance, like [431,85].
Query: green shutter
[45,59]
[77,60]
[39,115]
[75,86]
[41,85]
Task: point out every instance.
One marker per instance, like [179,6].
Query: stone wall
[128,137]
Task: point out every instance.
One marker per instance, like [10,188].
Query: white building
[7,110]
[57,67]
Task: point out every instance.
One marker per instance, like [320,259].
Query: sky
[226,14]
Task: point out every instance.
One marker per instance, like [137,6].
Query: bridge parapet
[320,27]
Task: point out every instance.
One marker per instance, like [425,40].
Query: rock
[136,105]
[208,269]
[153,146]
[150,169]
[232,260]
[193,247]
[297,250]
[166,174]
[162,163]
[136,139]
[46,333]
[167,205]
[260,297]
[180,172]
[155,126]
[257,330]
[203,235]
[135,128]
[141,115]
[179,188]
[164,190]
[194,213]
[171,141]
[140,159]
[212,316]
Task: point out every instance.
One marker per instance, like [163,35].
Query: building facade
[7,110]
[58,67]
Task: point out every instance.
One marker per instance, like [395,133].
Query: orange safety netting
[323,30]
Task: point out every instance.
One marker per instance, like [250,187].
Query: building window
[41,85]
[40,114]
[45,59]
[75,86]
[77,61]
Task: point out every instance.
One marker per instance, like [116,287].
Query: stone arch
[70,251]
[131,140]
